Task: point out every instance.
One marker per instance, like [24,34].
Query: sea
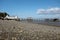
[51,23]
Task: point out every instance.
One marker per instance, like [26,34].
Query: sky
[31,8]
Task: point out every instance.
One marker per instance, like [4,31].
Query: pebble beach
[30,31]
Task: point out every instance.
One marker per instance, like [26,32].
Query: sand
[30,31]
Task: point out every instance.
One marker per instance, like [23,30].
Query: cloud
[50,10]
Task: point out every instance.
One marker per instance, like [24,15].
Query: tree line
[3,15]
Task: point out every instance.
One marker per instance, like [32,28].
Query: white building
[11,17]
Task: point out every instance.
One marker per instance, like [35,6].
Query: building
[29,19]
[12,18]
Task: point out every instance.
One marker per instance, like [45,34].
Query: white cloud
[50,10]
